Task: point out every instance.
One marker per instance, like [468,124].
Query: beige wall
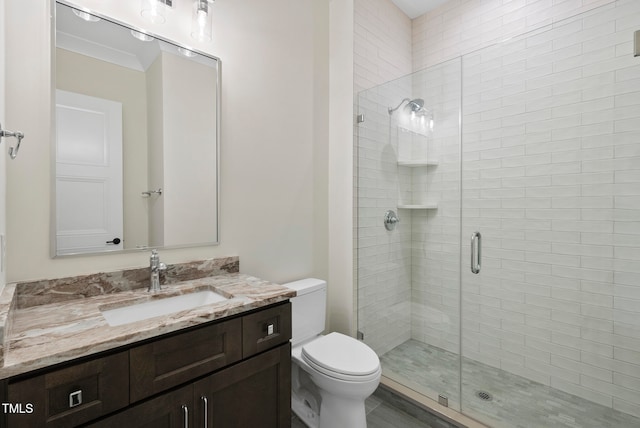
[341,295]
[126,86]
[190,203]
[3,156]
[155,153]
[274,153]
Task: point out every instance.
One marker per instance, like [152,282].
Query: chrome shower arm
[391,110]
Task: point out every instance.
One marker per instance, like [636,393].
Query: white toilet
[331,375]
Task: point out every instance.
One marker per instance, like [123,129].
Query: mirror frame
[218,100]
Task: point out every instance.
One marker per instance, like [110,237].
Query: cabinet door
[170,410]
[250,394]
[169,362]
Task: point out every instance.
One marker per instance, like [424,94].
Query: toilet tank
[308,308]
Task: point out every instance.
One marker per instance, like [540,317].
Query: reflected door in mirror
[170,97]
[88,173]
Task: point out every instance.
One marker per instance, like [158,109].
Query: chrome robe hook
[13,151]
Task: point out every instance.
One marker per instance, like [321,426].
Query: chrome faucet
[156,267]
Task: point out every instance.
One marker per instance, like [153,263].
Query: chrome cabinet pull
[185,412]
[206,410]
[476,252]
[75,398]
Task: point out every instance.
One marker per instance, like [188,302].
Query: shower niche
[416,161]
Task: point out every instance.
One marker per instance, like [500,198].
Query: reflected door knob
[115,241]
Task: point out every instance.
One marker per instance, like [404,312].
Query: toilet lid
[340,354]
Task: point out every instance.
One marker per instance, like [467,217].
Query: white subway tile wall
[382,53]
[553,118]
[550,176]
[382,43]
[459,27]
[435,234]
[384,257]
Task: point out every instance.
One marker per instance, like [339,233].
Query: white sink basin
[142,311]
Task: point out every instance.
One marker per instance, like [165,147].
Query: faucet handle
[154,260]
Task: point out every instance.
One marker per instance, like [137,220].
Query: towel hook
[13,151]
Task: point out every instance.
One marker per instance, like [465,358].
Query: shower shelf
[417,163]
[418,206]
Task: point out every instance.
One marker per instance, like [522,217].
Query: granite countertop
[41,335]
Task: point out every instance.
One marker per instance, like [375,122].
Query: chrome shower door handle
[476,252]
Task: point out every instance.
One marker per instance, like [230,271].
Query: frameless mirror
[136,139]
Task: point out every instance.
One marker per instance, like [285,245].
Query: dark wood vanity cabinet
[164,363]
[253,393]
[71,395]
[169,410]
[230,373]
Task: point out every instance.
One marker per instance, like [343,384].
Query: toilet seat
[342,357]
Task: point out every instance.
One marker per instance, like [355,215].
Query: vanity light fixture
[154,10]
[86,16]
[141,36]
[202,22]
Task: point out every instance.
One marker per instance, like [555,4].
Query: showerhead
[416,105]
[416,115]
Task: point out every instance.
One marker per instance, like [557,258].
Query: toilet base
[341,412]
[324,401]
[303,410]
[335,413]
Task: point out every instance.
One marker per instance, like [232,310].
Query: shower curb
[423,408]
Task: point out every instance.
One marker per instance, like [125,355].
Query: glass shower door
[408,162]
[551,180]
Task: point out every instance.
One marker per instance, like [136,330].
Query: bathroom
[292,71]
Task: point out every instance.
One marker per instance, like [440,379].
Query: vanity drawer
[72,395]
[165,363]
[265,329]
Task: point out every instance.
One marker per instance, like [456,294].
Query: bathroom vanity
[218,365]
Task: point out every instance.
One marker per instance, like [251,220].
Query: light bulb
[202,22]
[153,10]
[86,16]
[141,36]
[202,18]
[186,52]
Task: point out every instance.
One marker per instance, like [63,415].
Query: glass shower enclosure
[498,226]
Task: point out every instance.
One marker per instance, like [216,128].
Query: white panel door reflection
[89,211]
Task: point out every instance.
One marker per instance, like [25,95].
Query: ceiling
[415,8]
